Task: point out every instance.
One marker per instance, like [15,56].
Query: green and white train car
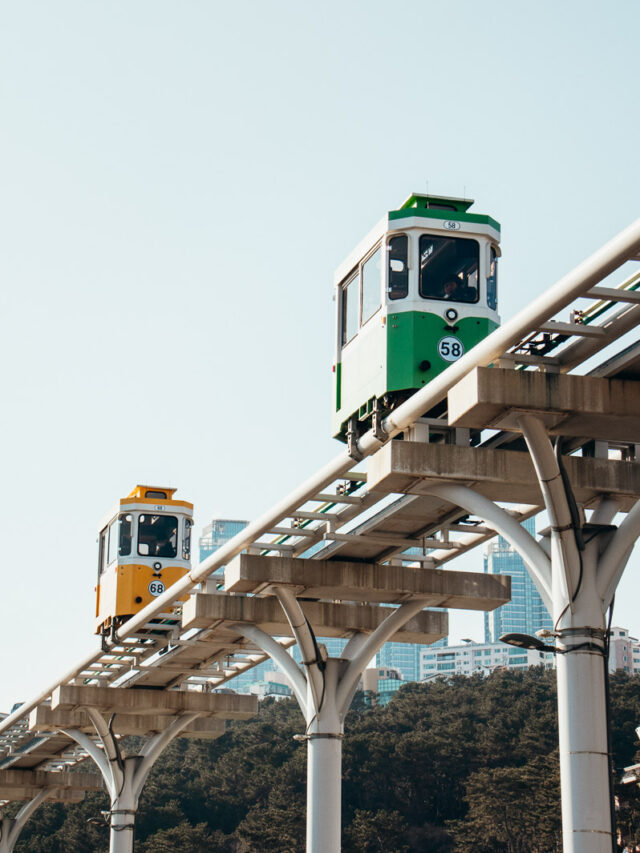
[417,293]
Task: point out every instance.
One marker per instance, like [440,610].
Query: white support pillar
[330,687]
[325,730]
[577,582]
[124,776]
[11,827]
[579,616]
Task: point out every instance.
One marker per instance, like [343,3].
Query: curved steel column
[11,827]
[124,777]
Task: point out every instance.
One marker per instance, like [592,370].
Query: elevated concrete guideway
[502,475]
[62,787]
[371,582]
[114,700]
[329,619]
[439,511]
[586,406]
[43,719]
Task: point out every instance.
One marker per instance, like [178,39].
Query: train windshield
[157,535]
[449,268]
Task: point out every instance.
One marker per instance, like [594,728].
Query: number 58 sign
[450,348]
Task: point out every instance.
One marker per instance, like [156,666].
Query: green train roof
[441,207]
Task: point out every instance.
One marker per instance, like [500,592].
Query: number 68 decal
[450,348]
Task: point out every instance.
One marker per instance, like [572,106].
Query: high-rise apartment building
[217,533]
[479,658]
[405,657]
[525,613]
[624,652]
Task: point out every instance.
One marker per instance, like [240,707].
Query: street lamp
[526,641]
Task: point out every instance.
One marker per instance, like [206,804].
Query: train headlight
[451,314]
[157,566]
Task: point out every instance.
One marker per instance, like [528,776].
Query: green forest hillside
[456,765]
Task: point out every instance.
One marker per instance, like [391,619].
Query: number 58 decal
[450,348]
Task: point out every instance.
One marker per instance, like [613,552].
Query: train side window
[371,286]
[157,535]
[350,308]
[398,268]
[102,558]
[492,280]
[449,268]
[113,541]
[186,542]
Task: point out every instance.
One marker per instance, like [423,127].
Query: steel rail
[621,248]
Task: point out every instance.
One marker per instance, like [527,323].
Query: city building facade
[218,532]
[379,684]
[624,652]
[526,612]
[483,658]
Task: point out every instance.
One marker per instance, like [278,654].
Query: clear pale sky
[179,181]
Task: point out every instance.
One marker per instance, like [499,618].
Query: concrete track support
[324,693]
[587,560]
[11,827]
[124,776]
[576,575]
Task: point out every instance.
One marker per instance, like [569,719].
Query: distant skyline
[179,183]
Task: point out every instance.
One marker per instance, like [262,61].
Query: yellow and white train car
[144,548]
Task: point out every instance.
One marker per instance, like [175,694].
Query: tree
[512,809]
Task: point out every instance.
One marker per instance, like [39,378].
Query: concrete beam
[44,719]
[17,793]
[371,582]
[567,404]
[501,475]
[69,787]
[119,700]
[220,612]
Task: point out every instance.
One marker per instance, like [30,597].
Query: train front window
[398,287]
[371,286]
[350,306]
[449,268]
[492,280]
[157,535]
